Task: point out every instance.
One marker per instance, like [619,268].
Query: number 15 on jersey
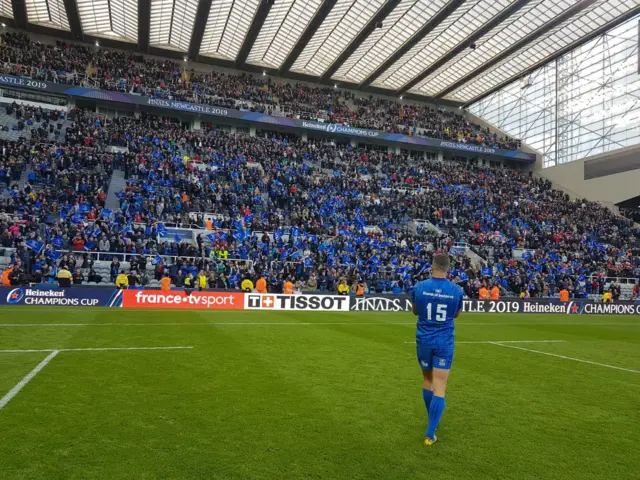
[440,311]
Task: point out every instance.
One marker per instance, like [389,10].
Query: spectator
[122,281]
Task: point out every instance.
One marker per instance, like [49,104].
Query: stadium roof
[458,50]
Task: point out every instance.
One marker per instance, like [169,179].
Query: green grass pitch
[296,395]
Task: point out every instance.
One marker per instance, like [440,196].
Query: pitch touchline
[296,324]
[502,344]
[498,342]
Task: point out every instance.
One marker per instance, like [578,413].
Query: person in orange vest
[360,289]
[165,283]
[287,287]
[564,295]
[483,293]
[5,277]
[495,293]
[209,224]
[261,285]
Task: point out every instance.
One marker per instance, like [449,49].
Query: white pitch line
[122,348]
[180,324]
[296,324]
[566,358]
[14,391]
[100,349]
[505,341]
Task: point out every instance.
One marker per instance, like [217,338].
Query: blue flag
[241,234]
[53,255]
[89,245]
[162,230]
[156,260]
[177,238]
[34,245]
[58,242]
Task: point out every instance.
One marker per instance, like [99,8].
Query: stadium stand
[133,73]
[234,206]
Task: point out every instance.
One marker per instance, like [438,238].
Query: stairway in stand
[116,185]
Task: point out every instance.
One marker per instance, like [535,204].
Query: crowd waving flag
[34,245]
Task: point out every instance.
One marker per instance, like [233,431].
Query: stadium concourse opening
[333,240]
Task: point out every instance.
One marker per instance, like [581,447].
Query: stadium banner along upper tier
[61,297]
[182,300]
[216,112]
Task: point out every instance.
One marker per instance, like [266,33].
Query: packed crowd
[631,213]
[334,214]
[131,72]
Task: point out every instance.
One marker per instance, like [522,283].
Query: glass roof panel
[577,27]
[338,30]
[5,9]
[399,26]
[281,30]
[228,24]
[49,13]
[110,18]
[172,23]
[454,30]
[528,19]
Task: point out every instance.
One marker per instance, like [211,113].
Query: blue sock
[427,395]
[435,412]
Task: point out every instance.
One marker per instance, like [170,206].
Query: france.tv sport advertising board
[61,297]
[180,300]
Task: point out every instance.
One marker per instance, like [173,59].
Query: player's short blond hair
[440,262]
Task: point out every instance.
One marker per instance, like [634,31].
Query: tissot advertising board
[326,303]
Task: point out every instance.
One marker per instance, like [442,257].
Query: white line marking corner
[14,391]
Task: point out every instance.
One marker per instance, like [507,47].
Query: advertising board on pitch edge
[179,299]
[575,307]
[61,297]
[328,303]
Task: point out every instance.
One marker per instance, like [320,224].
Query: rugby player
[436,302]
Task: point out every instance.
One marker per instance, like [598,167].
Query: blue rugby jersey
[437,302]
